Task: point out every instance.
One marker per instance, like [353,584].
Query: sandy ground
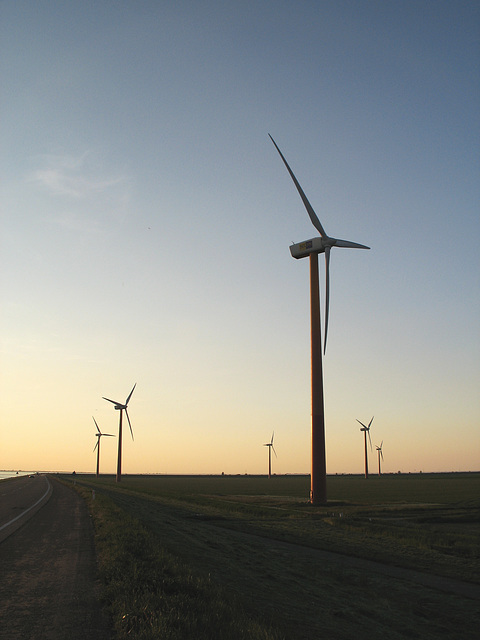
[48,586]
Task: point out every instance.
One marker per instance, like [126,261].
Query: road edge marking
[47,494]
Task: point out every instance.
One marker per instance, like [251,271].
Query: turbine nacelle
[320,245]
[99,435]
[270,444]
[379,449]
[367,430]
[119,406]
[123,407]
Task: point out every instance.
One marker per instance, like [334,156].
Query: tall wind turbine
[97,446]
[366,430]
[270,447]
[380,454]
[311,248]
[121,407]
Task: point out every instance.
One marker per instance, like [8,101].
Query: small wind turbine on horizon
[97,446]
[366,430]
[380,454]
[311,248]
[270,447]
[121,407]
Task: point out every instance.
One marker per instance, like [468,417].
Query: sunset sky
[146,220]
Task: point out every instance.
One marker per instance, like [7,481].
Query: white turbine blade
[313,216]
[327,294]
[348,245]
[96,425]
[112,401]
[271,441]
[381,454]
[368,431]
[274,451]
[108,434]
[381,445]
[96,445]
[130,395]
[129,423]
[361,423]
[370,422]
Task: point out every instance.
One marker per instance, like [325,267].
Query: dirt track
[48,589]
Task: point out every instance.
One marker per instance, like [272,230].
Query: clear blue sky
[147,218]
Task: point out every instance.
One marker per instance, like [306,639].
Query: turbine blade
[96,445]
[313,216]
[361,423]
[381,454]
[327,294]
[96,425]
[130,395]
[271,441]
[129,423]
[348,245]
[108,434]
[368,431]
[274,451]
[112,401]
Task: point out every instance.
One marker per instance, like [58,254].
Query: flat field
[396,556]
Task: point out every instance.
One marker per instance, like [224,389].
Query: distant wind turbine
[97,446]
[380,454]
[270,447]
[366,430]
[121,407]
[311,248]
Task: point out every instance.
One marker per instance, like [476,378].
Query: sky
[146,220]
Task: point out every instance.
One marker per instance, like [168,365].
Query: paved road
[20,499]
[48,587]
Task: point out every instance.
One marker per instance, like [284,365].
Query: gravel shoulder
[49,588]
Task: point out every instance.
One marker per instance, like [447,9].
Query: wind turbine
[311,248]
[97,446]
[121,407]
[270,447]
[366,430]
[380,454]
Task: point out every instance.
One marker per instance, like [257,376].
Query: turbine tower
[380,454]
[97,446]
[366,430]
[121,407]
[270,447]
[311,248]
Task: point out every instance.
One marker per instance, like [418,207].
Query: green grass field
[253,550]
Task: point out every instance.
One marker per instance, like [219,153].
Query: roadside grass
[429,522]
[184,564]
[151,594]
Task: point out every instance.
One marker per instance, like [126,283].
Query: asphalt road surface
[20,499]
[48,586]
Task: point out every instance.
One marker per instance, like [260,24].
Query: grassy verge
[434,528]
[151,594]
[181,561]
